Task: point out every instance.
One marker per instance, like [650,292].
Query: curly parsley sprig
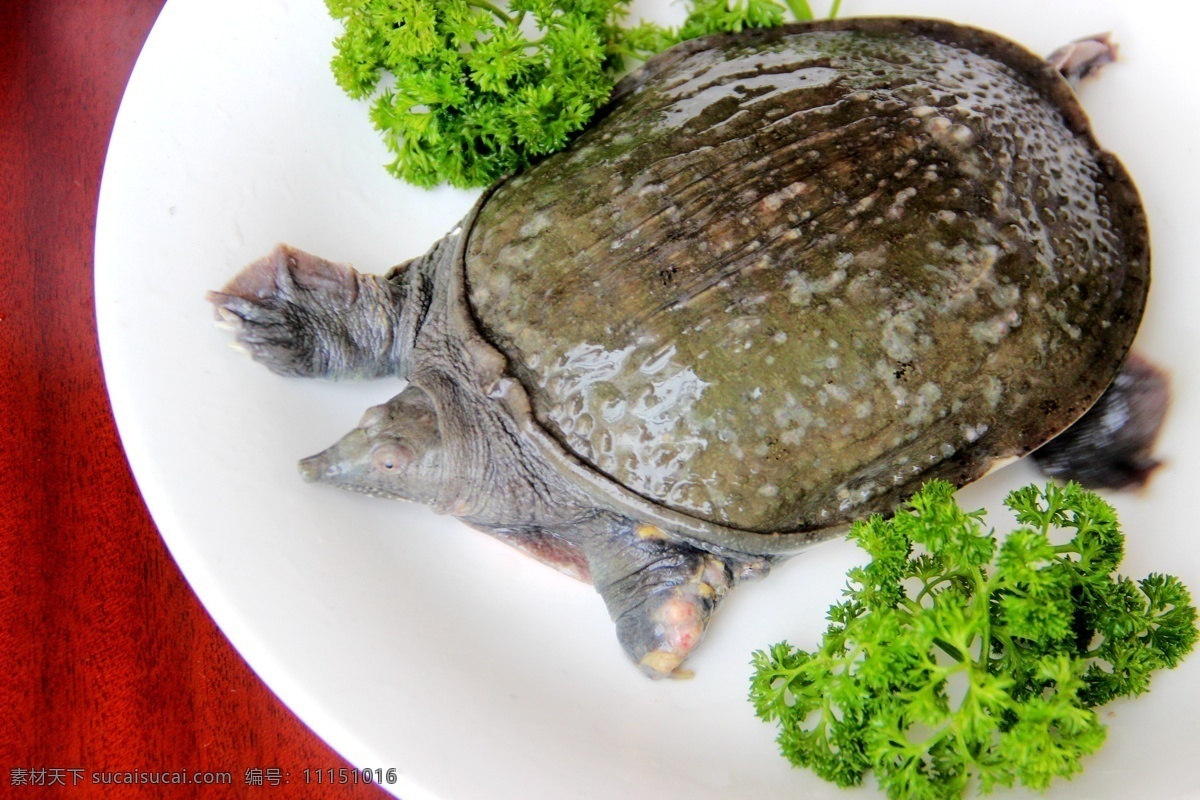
[956,658]
[465,91]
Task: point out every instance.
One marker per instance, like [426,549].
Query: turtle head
[395,452]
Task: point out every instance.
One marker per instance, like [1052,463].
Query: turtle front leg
[301,315]
[660,593]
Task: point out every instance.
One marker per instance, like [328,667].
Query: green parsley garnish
[466,91]
[957,658]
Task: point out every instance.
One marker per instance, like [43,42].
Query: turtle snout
[341,464]
[314,468]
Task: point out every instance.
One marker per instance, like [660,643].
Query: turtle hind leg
[1111,446]
[1084,57]
[660,593]
[301,315]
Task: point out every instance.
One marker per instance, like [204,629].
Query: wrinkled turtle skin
[785,278]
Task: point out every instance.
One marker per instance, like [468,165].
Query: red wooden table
[108,663]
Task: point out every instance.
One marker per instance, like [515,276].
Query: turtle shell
[789,275]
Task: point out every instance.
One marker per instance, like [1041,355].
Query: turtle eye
[391,457]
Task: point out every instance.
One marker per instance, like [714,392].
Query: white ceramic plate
[409,641]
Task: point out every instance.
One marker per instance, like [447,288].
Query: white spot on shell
[776,200]
[923,405]
[897,209]
[536,224]
[1006,295]
[899,335]
[793,419]
[993,390]
[993,330]
[801,289]
[971,433]
[838,393]
[938,125]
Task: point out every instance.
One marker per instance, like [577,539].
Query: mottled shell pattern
[791,275]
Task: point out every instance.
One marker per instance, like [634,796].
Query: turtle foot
[661,632]
[300,315]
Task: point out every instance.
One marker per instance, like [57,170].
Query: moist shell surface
[789,276]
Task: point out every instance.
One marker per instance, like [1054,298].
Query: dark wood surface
[107,660]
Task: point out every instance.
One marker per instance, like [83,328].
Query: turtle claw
[264,328]
[226,320]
